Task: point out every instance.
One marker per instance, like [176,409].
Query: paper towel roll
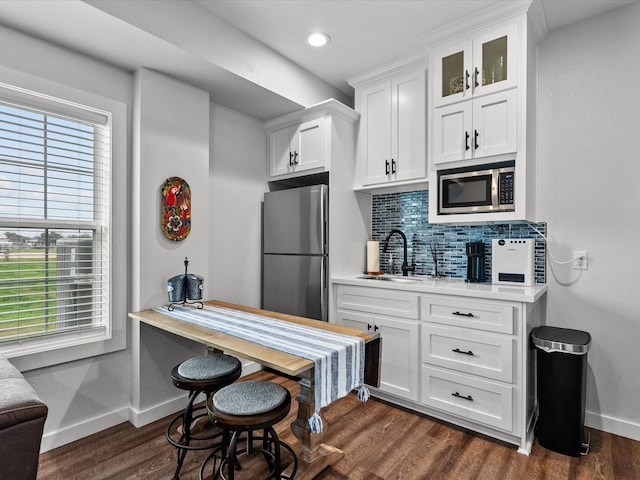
[373,256]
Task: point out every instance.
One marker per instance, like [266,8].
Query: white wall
[171,125]
[588,117]
[238,172]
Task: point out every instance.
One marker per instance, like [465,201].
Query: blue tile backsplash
[408,212]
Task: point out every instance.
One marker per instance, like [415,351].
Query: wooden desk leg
[313,456]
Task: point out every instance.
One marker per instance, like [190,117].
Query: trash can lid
[564,340]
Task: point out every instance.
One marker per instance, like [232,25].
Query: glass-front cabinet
[483,65]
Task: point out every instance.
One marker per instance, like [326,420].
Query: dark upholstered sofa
[22,417]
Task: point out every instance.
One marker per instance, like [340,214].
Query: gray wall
[588,120]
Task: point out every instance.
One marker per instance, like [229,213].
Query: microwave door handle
[495,186]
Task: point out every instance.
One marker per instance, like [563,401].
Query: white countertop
[447,286]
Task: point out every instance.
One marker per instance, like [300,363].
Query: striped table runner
[338,358]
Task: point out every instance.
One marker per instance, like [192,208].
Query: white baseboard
[75,432]
[617,426]
[250,367]
[139,418]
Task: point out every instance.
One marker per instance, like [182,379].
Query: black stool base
[188,441]
[271,450]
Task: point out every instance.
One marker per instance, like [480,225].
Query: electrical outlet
[582,262]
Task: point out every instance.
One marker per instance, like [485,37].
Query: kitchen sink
[385,278]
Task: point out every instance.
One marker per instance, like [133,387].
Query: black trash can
[561,382]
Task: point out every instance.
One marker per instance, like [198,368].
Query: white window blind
[54,218]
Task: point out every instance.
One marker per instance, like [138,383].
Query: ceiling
[364,34]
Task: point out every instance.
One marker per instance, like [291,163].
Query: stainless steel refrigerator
[295,251]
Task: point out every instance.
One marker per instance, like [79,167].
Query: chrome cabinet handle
[469,352]
[468,397]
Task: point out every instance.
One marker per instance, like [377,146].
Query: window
[54,222]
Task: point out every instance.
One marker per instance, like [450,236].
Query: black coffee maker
[475,262]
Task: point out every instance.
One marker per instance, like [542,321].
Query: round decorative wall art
[176,209]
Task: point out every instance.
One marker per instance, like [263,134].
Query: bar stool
[206,374]
[247,407]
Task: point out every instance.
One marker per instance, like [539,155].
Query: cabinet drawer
[460,312]
[477,353]
[468,397]
[376,300]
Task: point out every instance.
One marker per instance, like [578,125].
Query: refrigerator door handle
[323,291]
[323,219]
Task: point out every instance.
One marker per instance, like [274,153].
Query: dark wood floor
[379,441]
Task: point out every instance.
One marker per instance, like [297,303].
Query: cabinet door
[399,373]
[376,121]
[408,138]
[495,65]
[400,361]
[452,69]
[355,320]
[495,124]
[280,161]
[311,145]
[452,129]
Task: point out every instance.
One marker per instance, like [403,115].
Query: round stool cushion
[208,366]
[249,398]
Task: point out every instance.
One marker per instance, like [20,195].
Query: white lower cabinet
[482,354]
[468,397]
[469,356]
[400,359]
[462,359]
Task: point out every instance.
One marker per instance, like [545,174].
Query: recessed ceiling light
[318,39]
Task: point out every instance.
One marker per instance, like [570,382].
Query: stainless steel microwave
[489,188]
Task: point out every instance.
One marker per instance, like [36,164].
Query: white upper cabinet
[392,135]
[475,97]
[482,102]
[298,148]
[375,122]
[485,127]
[484,64]
[306,141]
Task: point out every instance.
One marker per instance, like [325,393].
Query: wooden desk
[313,455]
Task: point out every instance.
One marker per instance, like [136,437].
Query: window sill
[85,345]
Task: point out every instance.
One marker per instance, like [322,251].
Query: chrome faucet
[405,266]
